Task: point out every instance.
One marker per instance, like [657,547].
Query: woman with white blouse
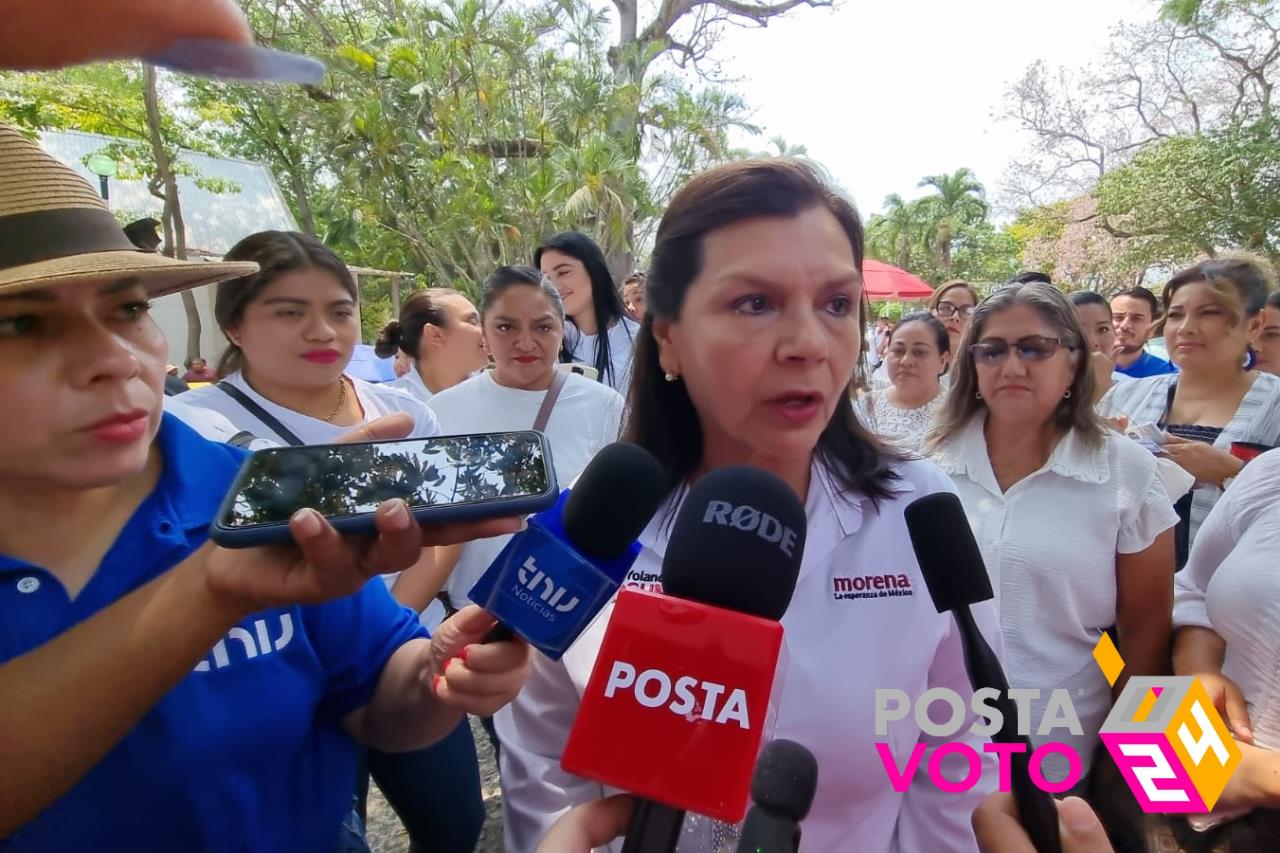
[917,357]
[292,329]
[1227,620]
[439,331]
[1072,519]
[599,331]
[752,333]
[523,323]
[1211,312]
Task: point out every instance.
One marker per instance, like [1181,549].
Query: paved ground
[387,836]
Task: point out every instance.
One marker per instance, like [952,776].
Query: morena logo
[748,519]
[653,688]
[871,586]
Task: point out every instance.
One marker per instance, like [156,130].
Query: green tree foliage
[946,234]
[1196,195]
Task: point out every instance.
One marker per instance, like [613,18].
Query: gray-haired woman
[1072,519]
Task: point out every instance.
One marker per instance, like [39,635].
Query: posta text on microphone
[675,708]
[551,580]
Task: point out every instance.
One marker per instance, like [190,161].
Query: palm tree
[898,227]
[961,200]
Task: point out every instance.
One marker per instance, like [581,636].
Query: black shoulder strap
[252,407]
[1168,405]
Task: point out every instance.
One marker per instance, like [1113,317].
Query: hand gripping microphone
[957,577]
[675,708]
[782,791]
[552,578]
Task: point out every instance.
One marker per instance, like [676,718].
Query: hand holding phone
[442,480]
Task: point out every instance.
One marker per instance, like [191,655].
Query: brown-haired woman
[752,334]
[293,327]
[439,329]
[1072,518]
[1211,311]
[953,304]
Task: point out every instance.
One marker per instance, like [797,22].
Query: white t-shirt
[213,425]
[840,646]
[1230,585]
[375,400]
[622,336]
[586,417]
[411,383]
[1050,545]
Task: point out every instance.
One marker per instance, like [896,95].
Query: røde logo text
[749,519]
[653,688]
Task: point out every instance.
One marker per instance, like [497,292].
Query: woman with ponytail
[439,331]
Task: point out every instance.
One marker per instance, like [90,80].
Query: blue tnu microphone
[552,579]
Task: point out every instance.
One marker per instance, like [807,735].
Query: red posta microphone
[675,707]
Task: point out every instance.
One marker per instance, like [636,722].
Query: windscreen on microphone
[785,780]
[614,499]
[947,552]
[737,543]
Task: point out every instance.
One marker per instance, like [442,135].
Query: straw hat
[54,229]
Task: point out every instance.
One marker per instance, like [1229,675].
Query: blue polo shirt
[1147,365]
[246,752]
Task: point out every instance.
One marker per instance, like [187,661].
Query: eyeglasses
[1030,348]
[946,311]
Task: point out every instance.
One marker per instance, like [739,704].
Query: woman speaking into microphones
[753,333]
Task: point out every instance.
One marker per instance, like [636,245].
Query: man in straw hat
[159,692]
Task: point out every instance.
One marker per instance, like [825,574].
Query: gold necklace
[342,401]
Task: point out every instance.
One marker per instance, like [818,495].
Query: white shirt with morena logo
[861,619]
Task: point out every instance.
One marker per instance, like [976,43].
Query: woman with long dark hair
[752,333]
[600,332]
[293,327]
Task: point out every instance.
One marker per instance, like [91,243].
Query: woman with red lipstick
[1073,520]
[292,328]
[1211,311]
[161,693]
[752,333]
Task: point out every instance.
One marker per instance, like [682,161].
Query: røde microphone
[675,707]
[552,578]
[957,578]
[782,791]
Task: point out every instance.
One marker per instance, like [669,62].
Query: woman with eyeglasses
[1211,312]
[953,304]
[1073,521]
[917,358]
[1266,342]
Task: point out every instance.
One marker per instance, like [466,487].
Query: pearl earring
[671,377]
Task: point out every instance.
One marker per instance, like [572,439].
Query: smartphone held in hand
[443,479]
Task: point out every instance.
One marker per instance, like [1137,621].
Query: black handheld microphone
[580,548]
[782,790]
[957,578]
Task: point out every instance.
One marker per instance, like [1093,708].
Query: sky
[884,92]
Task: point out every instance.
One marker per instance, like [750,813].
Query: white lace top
[904,427]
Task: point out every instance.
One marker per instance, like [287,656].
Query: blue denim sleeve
[354,637]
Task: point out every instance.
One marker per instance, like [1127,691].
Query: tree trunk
[303,199]
[395,297]
[175,231]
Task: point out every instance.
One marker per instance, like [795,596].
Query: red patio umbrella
[883,281]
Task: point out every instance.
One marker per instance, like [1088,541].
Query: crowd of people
[1109,488]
